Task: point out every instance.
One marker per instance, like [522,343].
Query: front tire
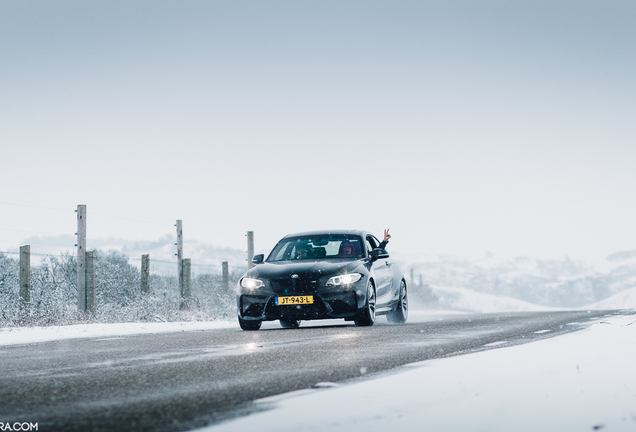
[289,324]
[249,325]
[366,316]
[401,312]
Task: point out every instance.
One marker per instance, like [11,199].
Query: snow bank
[577,382]
[24,335]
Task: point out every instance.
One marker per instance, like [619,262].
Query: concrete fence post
[90,282]
[179,245]
[226,276]
[145,273]
[81,258]
[25,276]
[250,249]
[187,274]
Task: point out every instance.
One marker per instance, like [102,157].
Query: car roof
[326,232]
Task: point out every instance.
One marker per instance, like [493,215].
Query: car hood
[304,269]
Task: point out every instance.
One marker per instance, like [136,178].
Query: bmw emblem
[294,276]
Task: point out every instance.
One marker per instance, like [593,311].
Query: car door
[383,274]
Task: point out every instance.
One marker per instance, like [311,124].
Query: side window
[371,243]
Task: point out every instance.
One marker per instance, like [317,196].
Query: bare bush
[118,294]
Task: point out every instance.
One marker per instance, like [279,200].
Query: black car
[322,275]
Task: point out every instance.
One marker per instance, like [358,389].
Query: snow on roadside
[24,335]
[581,381]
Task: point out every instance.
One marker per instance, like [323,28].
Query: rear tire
[401,312]
[288,324]
[249,325]
[366,316]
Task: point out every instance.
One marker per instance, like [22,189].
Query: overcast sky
[465,126]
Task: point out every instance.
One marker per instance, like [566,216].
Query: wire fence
[157,266]
[126,286]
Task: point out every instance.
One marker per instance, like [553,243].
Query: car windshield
[318,247]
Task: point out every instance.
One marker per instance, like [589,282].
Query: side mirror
[258,259]
[378,253]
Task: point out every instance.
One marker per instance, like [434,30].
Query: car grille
[289,285]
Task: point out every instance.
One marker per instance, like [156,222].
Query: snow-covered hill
[467,300]
[622,300]
[464,299]
[553,283]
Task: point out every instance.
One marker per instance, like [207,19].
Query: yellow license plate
[294,300]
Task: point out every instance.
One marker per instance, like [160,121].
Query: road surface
[181,381]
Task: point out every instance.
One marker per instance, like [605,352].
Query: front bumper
[261,306]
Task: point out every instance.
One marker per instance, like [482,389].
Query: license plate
[294,300]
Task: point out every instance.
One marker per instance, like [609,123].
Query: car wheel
[366,316]
[290,323]
[401,312]
[249,325]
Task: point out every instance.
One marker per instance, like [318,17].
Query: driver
[303,253]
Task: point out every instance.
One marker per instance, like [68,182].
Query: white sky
[465,127]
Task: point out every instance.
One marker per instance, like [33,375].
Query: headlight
[346,279]
[250,283]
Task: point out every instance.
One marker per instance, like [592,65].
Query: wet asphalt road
[181,381]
